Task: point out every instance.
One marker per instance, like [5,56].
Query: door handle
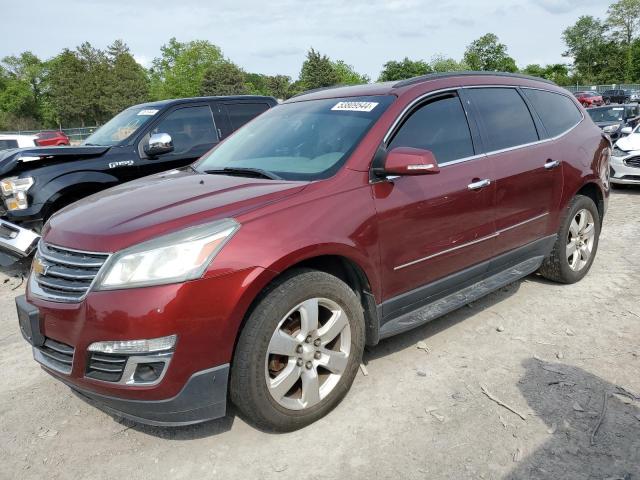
[479,184]
[551,164]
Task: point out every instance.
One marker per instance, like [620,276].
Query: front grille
[633,162]
[65,275]
[106,367]
[56,355]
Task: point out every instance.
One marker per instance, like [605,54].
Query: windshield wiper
[245,172]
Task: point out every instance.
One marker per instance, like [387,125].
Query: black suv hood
[10,158]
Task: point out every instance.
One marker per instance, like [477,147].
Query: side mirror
[159,144]
[410,161]
[626,130]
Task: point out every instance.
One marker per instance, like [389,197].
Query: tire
[607,102]
[563,266]
[280,312]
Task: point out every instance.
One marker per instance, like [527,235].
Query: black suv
[616,96]
[142,140]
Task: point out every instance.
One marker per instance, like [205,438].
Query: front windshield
[308,140]
[613,114]
[121,127]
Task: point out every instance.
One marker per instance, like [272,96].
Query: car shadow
[590,437]
[407,339]
[626,190]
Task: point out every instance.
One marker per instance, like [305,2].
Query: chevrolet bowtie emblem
[39,267]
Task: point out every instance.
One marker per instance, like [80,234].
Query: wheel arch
[594,192]
[343,267]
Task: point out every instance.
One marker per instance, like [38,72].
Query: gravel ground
[550,353]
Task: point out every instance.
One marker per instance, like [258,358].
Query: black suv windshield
[608,114]
[308,140]
[122,126]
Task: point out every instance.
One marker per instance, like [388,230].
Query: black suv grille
[106,367]
[633,162]
[63,274]
[57,355]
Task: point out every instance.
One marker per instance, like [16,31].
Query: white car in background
[8,141]
[625,158]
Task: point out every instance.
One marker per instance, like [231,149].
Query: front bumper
[205,315]
[204,397]
[623,173]
[16,242]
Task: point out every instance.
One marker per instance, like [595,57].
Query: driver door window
[192,130]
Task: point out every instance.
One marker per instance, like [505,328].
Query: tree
[224,78]
[624,20]
[586,45]
[347,75]
[557,72]
[279,85]
[126,83]
[488,54]
[399,70]
[66,90]
[318,71]
[26,68]
[440,63]
[180,69]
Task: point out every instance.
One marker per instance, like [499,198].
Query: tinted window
[6,144]
[440,126]
[557,112]
[307,140]
[241,113]
[505,116]
[191,129]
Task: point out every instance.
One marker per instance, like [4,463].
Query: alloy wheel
[581,237]
[308,353]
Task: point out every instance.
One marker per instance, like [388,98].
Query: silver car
[625,158]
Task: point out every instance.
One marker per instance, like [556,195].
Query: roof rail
[435,76]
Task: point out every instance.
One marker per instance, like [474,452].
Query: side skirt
[460,298]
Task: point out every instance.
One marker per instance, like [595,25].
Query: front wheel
[576,244]
[298,352]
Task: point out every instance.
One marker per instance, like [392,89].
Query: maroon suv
[339,218]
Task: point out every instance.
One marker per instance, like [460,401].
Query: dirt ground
[551,353]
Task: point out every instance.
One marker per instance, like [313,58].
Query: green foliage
[224,78]
[557,72]
[400,70]
[318,71]
[440,64]
[126,82]
[180,69]
[347,75]
[488,54]
[624,19]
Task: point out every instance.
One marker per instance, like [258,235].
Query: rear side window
[7,144]
[506,118]
[557,112]
[241,113]
[440,126]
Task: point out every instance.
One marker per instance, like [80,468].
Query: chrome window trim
[473,242]
[425,96]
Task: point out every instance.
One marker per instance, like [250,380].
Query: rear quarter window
[557,112]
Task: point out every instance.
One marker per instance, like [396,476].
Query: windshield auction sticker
[148,112]
[355,106]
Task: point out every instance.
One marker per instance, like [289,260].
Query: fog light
[148,372]
[135,346]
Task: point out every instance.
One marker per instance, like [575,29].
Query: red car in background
[51,138]
[589,99]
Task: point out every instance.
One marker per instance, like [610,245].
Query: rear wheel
[298,352]
[577,243]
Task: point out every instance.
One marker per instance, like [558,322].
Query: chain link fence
[602,88]
[76,135]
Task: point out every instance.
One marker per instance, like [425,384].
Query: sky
[272,36]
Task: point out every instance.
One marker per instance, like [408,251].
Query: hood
[137,211]
[10,158]
[629,143]
[606,124]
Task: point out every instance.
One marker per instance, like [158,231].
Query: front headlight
[611,128]
[172,258]
[14,185]
[14,190]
